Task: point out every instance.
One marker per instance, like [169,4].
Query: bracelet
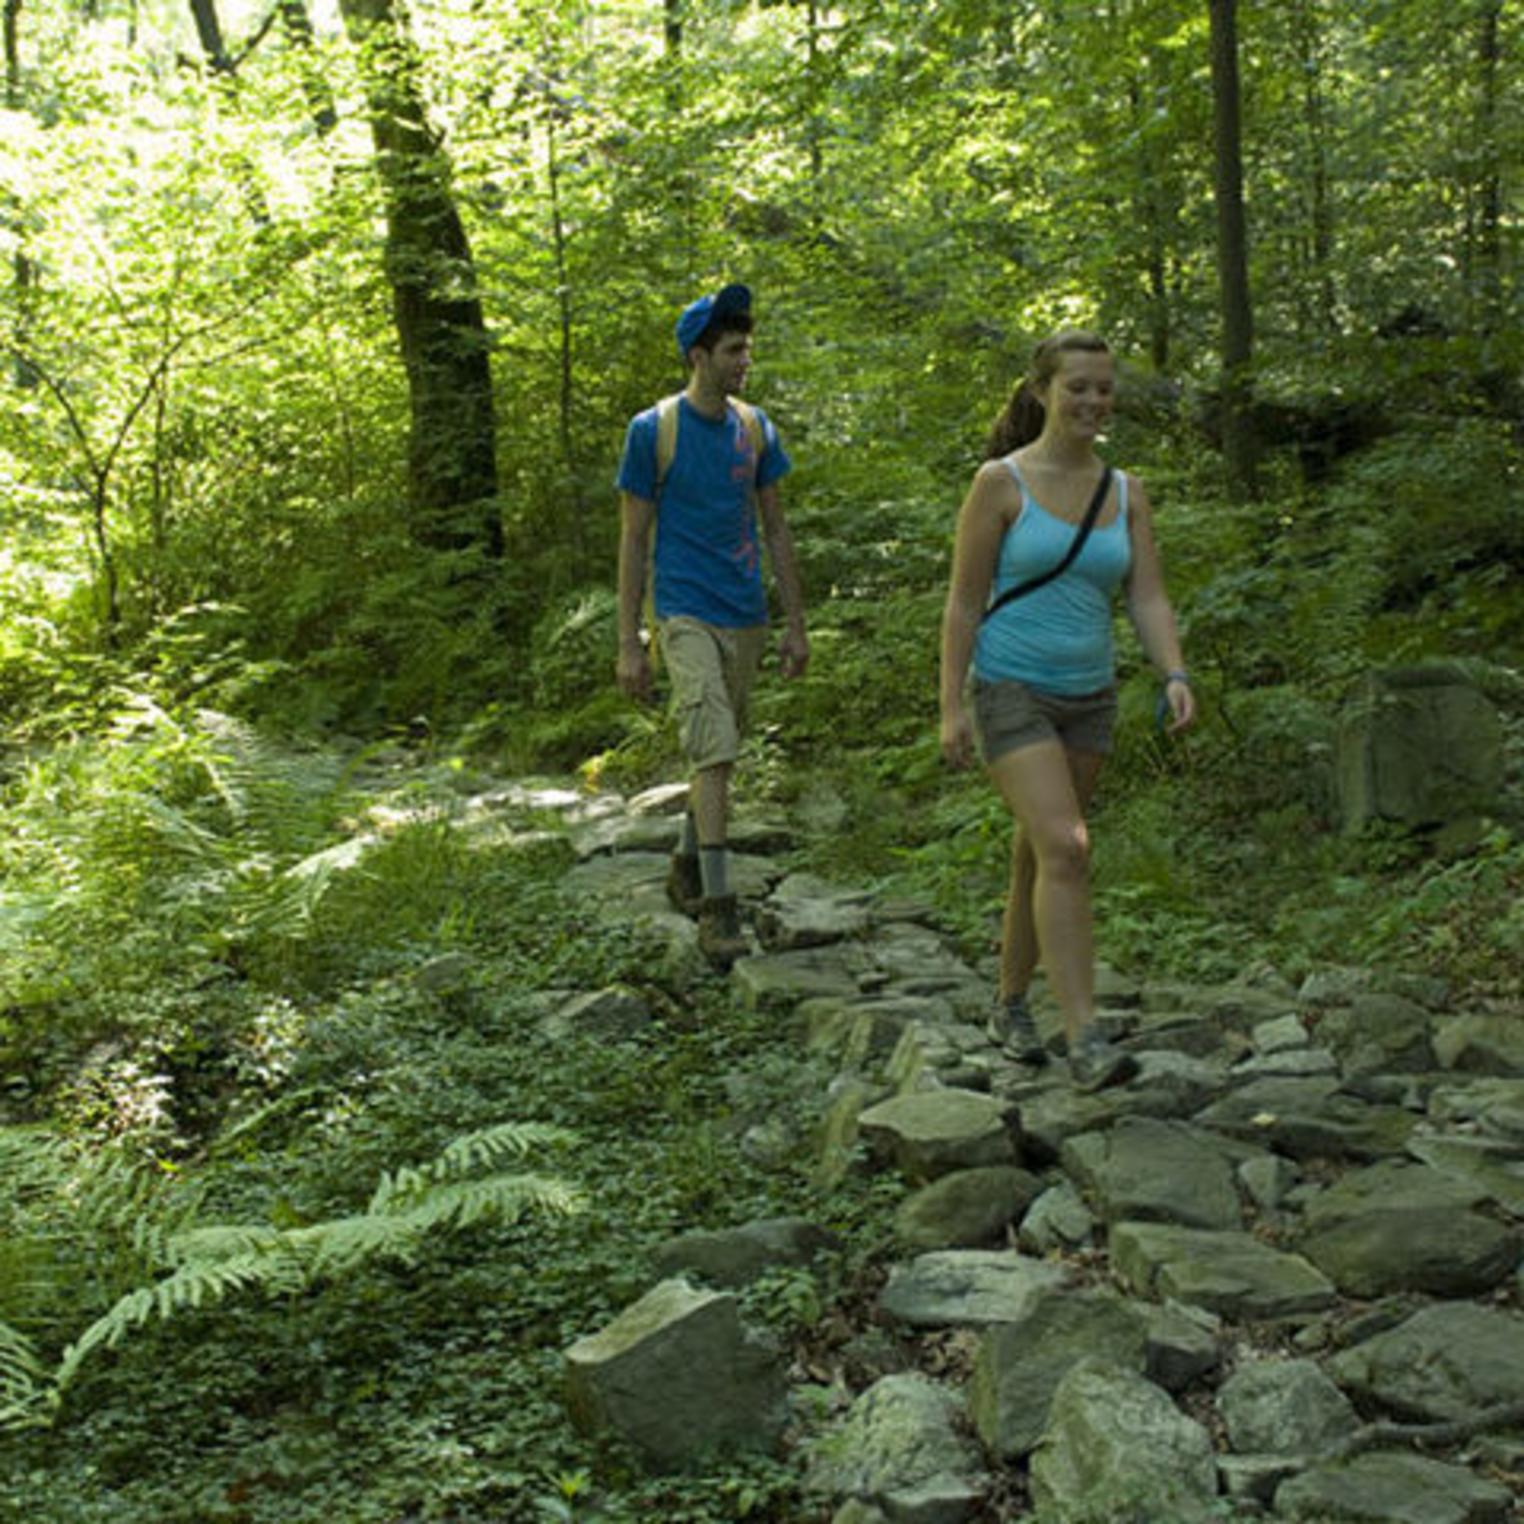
[1177,677]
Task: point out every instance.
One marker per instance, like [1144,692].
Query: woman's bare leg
[1047,913]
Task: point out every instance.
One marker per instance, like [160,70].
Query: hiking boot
[1012,1029]
[719,931]
[685,885]
[1096,1063]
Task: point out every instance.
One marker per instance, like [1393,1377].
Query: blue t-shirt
[708,556]
[1056,638]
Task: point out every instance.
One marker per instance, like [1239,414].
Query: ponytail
[1022,420]
[1019,424]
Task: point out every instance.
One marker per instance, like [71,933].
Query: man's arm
[633,668]
[794,650]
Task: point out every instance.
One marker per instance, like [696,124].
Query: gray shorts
[1010,715]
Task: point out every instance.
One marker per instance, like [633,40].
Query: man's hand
[633,672]
[794,653]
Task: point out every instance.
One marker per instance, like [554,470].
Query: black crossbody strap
[1076,545]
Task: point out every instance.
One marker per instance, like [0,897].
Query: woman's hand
[1179,701]
[957,738]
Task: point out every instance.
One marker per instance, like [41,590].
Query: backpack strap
[666,435]
[668,411]
[752,423]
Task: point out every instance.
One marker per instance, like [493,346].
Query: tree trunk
[813,131]
[576,517]
[209,30]
[452,467]
[1487,260]
[23,272]
[298,28]
[1310,57]
[672,53]
[1239,445]
[13,55]
[1154,212]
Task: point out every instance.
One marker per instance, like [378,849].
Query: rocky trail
[1277,1273]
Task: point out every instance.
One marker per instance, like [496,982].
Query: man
[705,487]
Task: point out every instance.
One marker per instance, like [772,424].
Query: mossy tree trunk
[452,466]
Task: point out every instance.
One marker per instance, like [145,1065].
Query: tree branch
[1501,1415]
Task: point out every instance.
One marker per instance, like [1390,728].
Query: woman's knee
[1061,847]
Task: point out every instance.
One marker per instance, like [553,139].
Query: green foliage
[121,1221]
[211,1262]
[210,940]
[21,1376]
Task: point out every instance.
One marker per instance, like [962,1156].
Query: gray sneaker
[1010,1027]
[1096,1063]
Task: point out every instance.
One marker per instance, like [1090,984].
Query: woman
[1045,690]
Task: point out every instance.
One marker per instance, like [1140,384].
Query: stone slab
[967,1287]
[1148,1170]
[1229,1273]
[1445,1361]
[1391,1488]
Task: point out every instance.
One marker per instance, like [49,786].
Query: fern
[212,1262]
[21,1379]
[31,1160]
[187,829]
[285,905]
[475,1151]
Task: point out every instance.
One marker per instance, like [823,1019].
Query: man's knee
[709,734]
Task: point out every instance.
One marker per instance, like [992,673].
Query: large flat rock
[1283,1407]
[1494,1169]
[1446,1361]
[675,1374]
[932,1132]
[1439,1250]
[902,1452]
[1228,1273]
[1155,1171]
[1481,1044]
[1059,1111]
[806,911]
[968,1209]
[1385,1488]
[770,980]
[1394,1185]
[1021,1363]
[968,1287]
[1379,1034]
[1309,1118]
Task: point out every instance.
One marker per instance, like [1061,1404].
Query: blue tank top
[1057,637]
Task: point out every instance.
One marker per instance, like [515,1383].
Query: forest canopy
[293,293]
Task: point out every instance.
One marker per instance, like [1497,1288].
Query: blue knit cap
[697,316]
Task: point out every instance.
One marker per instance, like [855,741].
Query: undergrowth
[209,1309]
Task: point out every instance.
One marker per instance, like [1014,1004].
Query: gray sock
[687,845]
[714,870]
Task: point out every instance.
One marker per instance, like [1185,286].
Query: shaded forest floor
[247,983]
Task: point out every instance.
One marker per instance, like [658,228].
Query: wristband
[1177,676]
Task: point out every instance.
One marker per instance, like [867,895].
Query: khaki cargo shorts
[712,670]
